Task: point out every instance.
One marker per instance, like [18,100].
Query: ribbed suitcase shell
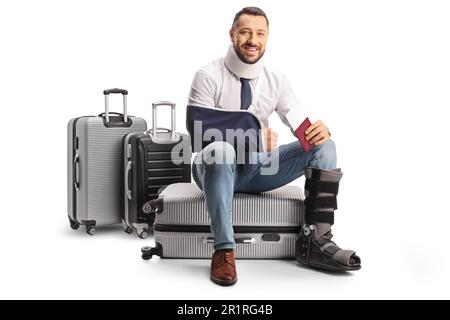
[148,167]
[270,221]
[98,200]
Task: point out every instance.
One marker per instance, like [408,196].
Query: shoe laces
[224,257]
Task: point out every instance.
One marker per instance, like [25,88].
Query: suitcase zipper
[237,229]
[75,145]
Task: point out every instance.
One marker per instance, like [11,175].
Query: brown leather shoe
[223,267]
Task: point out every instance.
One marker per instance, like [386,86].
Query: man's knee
[326,155]
[219,152]
[328,148]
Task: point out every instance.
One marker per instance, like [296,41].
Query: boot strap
[315,203]
[314,187]
[313,217]
[330,248]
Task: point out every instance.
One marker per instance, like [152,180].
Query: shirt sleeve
[202,90]
[287,100]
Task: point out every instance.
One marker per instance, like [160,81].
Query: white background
[378,73]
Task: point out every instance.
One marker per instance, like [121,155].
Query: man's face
[249,37]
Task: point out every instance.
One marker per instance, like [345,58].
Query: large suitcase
[152,160]
[266,225]
[94,165]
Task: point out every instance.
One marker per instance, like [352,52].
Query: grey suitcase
[94,157]
[266,225]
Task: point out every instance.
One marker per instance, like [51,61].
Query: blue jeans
[217,173]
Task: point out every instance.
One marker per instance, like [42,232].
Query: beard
[243,58]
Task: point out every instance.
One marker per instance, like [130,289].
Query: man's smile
[251,50]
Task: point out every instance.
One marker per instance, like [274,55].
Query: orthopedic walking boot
[314,246]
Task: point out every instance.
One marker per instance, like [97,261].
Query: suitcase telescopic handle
[237,240]
[155,105]
[124,93]
[115,90]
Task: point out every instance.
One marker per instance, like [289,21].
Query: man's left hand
[271,138]
[317,133]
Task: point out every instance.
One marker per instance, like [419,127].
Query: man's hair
[253,11]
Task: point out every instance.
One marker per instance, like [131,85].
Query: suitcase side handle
[237,240]
[76,172]
[124,93]
[155,120]
[127,185]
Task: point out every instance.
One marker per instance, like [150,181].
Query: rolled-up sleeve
[287,100]
[202,90]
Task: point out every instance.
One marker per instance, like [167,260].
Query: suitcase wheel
[143,234]
[128,230]
[90,230]
[147,253]
[74,225]
[147,208]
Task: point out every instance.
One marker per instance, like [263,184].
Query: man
[228,83]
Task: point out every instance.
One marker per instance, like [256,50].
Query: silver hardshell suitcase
[94,157]
[266,225]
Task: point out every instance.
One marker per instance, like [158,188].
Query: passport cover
[300,133]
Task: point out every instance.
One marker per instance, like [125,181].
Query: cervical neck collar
[240,68]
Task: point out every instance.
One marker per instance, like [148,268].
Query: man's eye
[261,34]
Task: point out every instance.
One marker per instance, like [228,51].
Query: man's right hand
[270,138]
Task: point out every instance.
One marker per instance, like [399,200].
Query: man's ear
[232,35]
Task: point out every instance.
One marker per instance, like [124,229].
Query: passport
[300,133]
[299,120]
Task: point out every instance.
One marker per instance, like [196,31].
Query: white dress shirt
[216,86]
